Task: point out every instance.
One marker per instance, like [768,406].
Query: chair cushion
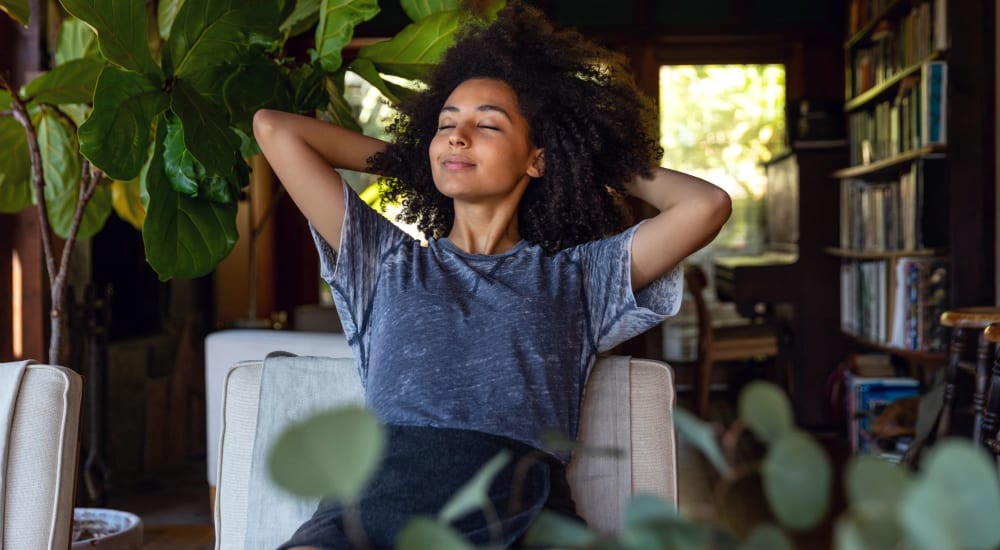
[43,445]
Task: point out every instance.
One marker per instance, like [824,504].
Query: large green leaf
[797,476]
[61,165]
[417,48]
[121,31]
[15,167]
[71,82]
[954,503]
[208,34]
[307,85]
[18,10]
[182,236]
[339,111]
[116,136]
[765,409]
[76,40]
[474,495]
[331,454]
[422,533]
[206,131]
[418,9]
[647,508]
[337,19]
[166,12]
[393,92]
[255,85]
[302,18]
[188,177]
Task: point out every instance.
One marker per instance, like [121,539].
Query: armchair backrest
[628,405]
[42,441]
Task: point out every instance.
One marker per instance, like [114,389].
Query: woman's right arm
[305,153]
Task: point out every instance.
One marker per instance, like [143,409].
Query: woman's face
[482,150]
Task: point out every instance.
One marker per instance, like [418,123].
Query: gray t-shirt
[499,343]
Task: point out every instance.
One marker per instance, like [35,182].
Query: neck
[484,231]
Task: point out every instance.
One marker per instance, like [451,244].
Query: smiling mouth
[457,165]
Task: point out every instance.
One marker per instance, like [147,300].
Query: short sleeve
[616,312]
[365,239]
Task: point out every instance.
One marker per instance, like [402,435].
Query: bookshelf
[894,249]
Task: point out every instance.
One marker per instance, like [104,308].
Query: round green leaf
[954,502]
[121,31]
[76,40]
[796,475]
[423,533]
[767,537]
[71,82]
[874,486]
[252,86]
[765,409]
[15,167]
[417,48]
[644,508]
[850,533]
[126,202]
[18,10]
[336,27]
[182,236]
[116,136]
[550,529]
[702,435]
[329,455]
[474,495]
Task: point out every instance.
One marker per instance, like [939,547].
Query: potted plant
[147,112]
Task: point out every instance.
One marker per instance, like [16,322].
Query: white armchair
[628,405]
[40,416]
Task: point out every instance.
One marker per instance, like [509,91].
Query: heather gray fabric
[499,343]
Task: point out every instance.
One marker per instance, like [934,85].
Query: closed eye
[445,126]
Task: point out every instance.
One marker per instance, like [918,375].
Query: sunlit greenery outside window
[721,122]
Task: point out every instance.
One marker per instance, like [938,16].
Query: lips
[457,163]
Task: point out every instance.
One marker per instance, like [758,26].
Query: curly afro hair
[583,108]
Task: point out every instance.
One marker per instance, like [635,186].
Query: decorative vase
[108,529]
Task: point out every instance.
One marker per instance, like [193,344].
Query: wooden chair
[959,320]
[719,344]
[991,429]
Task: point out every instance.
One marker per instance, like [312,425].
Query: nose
[457,137]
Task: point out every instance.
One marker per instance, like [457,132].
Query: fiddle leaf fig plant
[147,109]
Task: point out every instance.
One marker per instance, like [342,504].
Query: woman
[514,163]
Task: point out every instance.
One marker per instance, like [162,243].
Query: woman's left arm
[692,212]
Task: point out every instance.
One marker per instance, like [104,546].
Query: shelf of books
[894,195]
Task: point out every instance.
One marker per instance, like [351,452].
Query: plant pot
[108,529]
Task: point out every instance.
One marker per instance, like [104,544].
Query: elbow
[718,205]
[263,124]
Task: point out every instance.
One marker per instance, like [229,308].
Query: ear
[537,168]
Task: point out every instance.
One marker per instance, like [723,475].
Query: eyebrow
[487,107]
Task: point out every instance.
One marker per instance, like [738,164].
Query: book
[933,97]
[866,398]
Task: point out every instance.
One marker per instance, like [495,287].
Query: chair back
[628,405]
[695,280]
[42,441]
